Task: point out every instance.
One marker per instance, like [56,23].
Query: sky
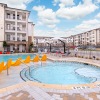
[60,18]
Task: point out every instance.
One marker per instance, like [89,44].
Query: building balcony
[21,20]
[14,19]
[10,29]
[11,39]
[21,30]
[10,18]
[16,42]
[23,40]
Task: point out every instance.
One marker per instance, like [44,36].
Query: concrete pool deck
[30,91]
[10,84]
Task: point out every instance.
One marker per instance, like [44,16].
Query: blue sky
[60,17]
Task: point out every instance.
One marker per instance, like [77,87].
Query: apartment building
[91,37]
[88,38]
[69,40]
[14,28]
[41,41]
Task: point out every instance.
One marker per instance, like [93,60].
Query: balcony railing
[13,18]
[21,29]
[10,28]
[10,17]
[11,39]
[23,40]
[21,19]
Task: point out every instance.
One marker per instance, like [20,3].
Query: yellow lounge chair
[1,66]
[17,62]
[8,64]
[36,59]
[27,60]
[44,57]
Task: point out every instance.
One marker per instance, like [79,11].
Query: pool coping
[16,54]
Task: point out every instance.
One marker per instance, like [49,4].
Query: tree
[5,44]
[30,47]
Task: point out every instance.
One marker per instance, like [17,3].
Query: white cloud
[53,33]
[46,16]
[21,4]
[97,1]
[90,24]
[38,8]
[76,12]
[64,3]
[84,26]
[98,15]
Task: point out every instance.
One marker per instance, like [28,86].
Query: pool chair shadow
[44,57]
[27,60]
[36,59]
[17,62]
[8,64]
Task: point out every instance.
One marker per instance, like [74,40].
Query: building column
[26,27]
[11,47]
[27,47]
[15,25]
[20,48]
[21,37]
[16,48]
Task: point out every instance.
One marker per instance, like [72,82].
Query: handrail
[27,66]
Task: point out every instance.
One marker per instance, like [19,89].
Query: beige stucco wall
[1,48]
[98,36]
[1,25]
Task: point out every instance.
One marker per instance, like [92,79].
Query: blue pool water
[14,57]
[64,73]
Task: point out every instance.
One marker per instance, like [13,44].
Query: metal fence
[86,54]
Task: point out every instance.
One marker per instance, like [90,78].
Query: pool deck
[14,88]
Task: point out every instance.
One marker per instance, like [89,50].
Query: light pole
[50,45]
[63,45]
[62,41]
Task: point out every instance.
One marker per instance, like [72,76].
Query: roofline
[4,4]
[43,36]
[19,9]
[14,8]
[31,23]
[87,31]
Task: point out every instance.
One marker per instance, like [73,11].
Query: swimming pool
[14,56]
[63,73]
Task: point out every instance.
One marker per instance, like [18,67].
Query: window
[13,16]
[18,39]
[93,40]
[8,37]
[8,15]
[13,38]
[13,28]
[18,17]
[18,28]
[87,34]
[8,26]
